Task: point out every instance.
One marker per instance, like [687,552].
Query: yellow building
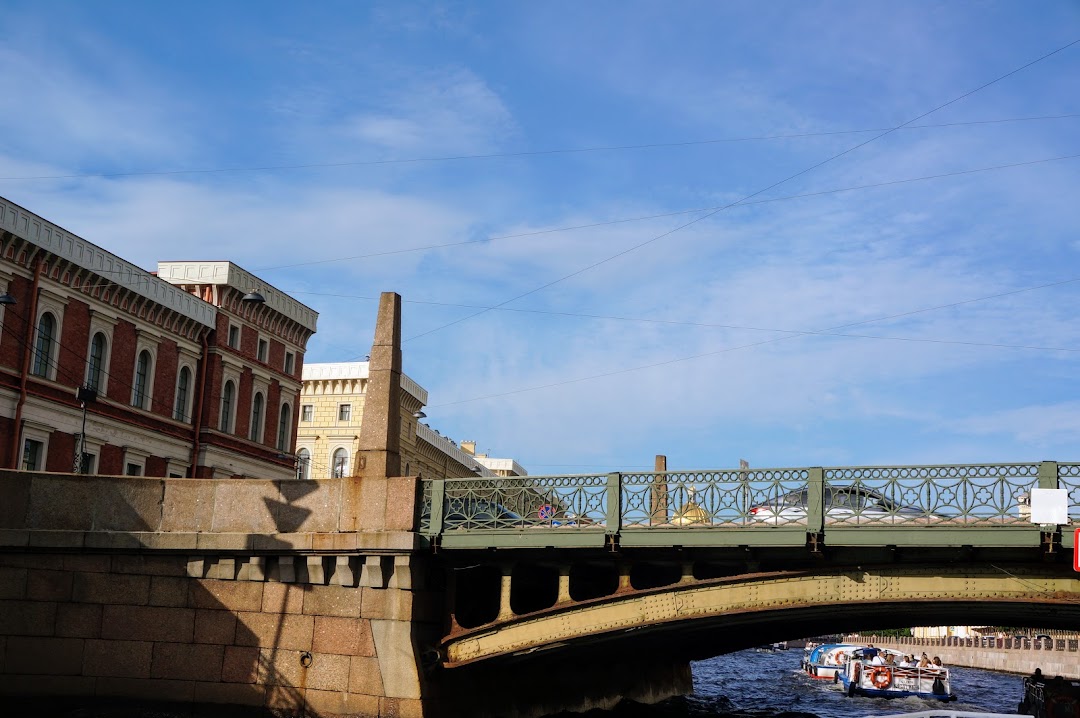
[331,414]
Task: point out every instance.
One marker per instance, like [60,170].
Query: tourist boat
[861,678]
[824,662]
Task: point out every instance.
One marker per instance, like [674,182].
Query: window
[303,464]
[183,391]
[340,463]
[284,424]
[344,412]
[87,464]
[141,389]
[307,411]
[134,461]
[227,399]
[33,455]
[46,340]
[234,336]
[264,350]
[290,362]
[95,366]
[257,418]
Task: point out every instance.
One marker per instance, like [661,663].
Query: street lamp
[84,395]
[253,297]
[6,298]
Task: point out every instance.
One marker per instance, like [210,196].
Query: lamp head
[254,297]
[6,298]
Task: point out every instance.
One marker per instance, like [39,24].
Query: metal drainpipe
[204,369]
[27,352]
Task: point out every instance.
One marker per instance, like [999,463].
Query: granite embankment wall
[303,597]
[1055,657]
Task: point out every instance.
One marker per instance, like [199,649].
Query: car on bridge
[851,504]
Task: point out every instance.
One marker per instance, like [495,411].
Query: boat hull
[864,679]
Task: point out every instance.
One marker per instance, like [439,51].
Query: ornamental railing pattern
[750,499]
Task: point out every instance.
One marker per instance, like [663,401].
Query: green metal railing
[852,505]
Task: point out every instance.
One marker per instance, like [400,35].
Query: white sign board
[1049,506]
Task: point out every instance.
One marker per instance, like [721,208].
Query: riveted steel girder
[768,596]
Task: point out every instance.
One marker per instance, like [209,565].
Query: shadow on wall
[90,622]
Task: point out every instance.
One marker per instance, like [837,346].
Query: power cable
[704,325]
[526,153]
[825,332]
[662,215]
[753,194]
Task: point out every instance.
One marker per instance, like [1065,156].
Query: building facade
[107,368]
[331,414]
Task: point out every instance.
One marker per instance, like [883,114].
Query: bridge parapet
[127,512]
[783,506]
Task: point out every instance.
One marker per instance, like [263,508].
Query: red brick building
[188,378]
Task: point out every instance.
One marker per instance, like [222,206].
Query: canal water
[769,684]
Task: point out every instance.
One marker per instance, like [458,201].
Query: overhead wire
[816,165]
[705,325]
[831,331]
[662,215]
[523,153]
[795,332]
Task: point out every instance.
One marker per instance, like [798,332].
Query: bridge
[381,595]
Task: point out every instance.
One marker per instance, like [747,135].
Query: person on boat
[890,660]
[870,653]
[936,662]
[877,660]
[924,662]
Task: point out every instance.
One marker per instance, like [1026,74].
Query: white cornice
[228,274]
[331,371]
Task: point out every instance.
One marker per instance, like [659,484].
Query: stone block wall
[163,628]
[304,597]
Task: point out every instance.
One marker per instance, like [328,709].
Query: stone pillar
[564,584]
[380,431]
[658,497]
[505,612]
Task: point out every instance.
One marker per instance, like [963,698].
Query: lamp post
[85,395]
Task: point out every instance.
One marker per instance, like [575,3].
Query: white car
[842,504]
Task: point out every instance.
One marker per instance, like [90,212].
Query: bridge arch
[697,619]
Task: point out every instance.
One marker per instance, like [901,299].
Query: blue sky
[610,352]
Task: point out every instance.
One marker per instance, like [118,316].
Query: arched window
[303,464]
[95,366]
[46,340]
[256,433]
[340,463]
[227,407]
[284,425]
[183,390]
[140,392]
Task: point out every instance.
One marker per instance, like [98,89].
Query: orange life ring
[840,657]
[881,677]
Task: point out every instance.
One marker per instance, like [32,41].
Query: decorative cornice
[82,253]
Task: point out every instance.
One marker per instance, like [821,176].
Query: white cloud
[88,106]
[448,111]
[1037,426]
